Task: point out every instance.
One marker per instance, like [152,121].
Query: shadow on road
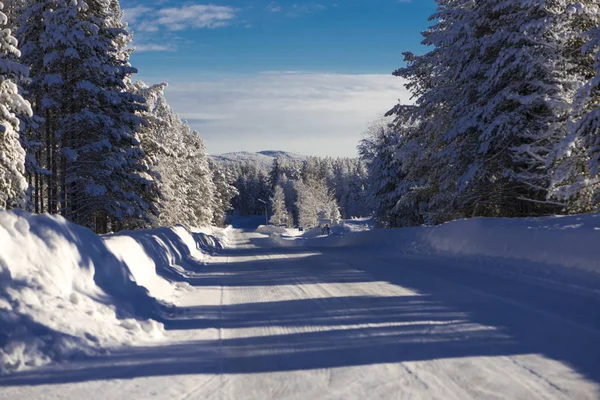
[453,315]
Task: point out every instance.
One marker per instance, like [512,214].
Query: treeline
[80,139]
[506,119]
[300,192]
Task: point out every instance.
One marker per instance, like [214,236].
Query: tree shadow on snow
[455,313]
[411,328]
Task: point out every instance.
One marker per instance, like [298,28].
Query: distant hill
[264,158]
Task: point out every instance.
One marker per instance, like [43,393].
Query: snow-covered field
[474,309]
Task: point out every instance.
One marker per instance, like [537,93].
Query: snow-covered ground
[66,292]
[543,248]
[478,309]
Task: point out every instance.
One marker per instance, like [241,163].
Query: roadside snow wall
[569,241]
[65,291]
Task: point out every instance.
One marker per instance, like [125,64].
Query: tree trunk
[49,183]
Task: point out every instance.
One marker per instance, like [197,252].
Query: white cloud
[195,17]
[298,9]
[133,14]
[152,25]
[300,112]
[274,7]
[146,47]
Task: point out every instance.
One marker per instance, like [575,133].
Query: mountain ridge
[264,157]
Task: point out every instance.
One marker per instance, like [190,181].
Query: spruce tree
[280,214]
[493,101]
[13,185]
[575,163]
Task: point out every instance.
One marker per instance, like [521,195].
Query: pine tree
[315,201]
[575,175]
[105,173]
[588,126]
[276,172]
[94,167]
[224,193]
[192,192]
[398,170]
[280,214]
[13,185]
[492,101]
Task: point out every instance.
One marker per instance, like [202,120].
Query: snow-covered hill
[264,158]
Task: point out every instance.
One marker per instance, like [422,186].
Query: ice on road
[265,321]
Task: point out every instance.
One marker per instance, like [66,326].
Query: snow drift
[65,291]
[569,241]
[563,241]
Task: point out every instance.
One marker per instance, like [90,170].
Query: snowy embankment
[569,242]
[65,291]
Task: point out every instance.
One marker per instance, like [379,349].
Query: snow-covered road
[266,321]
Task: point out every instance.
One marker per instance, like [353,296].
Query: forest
[505,122]
[299,192]
[81,139]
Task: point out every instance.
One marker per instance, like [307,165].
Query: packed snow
[270,312]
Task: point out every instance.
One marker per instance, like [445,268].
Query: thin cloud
[197,16]
[301,112]
[298,9]
[274,7]
[151,25]
[147,47]
[134,14]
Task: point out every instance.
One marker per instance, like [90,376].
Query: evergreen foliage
[13,185]
[505,116]
[100,150]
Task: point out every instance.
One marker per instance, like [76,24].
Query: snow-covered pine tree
[36,25]
[315,200]
[105,176]
[79,75]
[277,170]
[588,126]
[200,187]
[441,81]
[224,193]
[190,193]
[575,164]
[394,158]
[493,101]
[280,214]
[13,185]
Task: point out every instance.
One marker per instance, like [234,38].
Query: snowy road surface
[311,322]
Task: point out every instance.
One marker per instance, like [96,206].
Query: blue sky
[259,74]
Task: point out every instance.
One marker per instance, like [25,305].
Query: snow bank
[358,224]
[214,237]
[565,241]
[271,230]
[159,257]
[570,241]
[65,291]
